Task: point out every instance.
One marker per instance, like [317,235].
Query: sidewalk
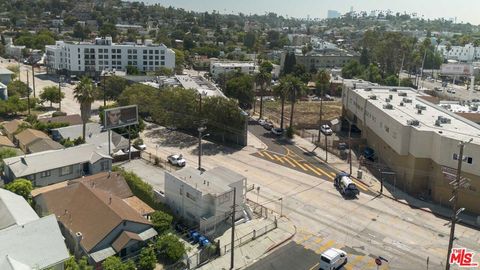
[389,191]
[250,252]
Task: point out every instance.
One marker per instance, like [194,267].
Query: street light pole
[28,94]
[350,145]
[200,130]
[232,247]
[455,211]
[60,80]
[33,79]
[320,123]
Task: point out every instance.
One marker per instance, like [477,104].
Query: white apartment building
[217,68]
[205,199]
[92,58]
[467,53]
[416,139]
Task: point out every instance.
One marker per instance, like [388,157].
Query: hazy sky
[464,10]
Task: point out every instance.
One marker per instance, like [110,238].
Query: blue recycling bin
[204,243]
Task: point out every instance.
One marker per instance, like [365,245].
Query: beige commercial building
[417,140]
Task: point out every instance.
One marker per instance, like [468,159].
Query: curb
[283,241]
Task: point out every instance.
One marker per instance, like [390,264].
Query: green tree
[108,29]
[84,93]
[281,90]
[114,86]
[162,222]
[249,40]
[179,61]
[266,66]
[240,88]
[391,80]
[263,79]
[352,69]
[17,87]
[372,74]
[170,247]
[132,70]
[71,264]
[6,153]
[21,187]
[83,264]
[15,69]
[323,82]
[115,263]
[163,71]
[296,88]
[51,94]
[147,259]
[289,63]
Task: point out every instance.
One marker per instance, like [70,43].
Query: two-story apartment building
[219,68]
[50,167]
[86,58]
[205,199]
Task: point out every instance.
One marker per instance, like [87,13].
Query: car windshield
[325,259]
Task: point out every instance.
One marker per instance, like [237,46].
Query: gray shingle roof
[38,244]
[47,160]
[14,210]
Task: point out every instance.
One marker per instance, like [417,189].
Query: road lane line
[322,171]
[360,185]
[279,159]
[298,164]
[315,266]
[289,162]
[312,169]
[269,156]
[326,246]
[352,263]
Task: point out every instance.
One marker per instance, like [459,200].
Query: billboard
[121,117]
[457,69]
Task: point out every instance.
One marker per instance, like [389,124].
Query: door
[86,170]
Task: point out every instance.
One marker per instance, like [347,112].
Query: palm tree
[263,79]
[295,87]
[281,90]
[84,93]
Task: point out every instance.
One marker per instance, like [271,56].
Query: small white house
[205,198]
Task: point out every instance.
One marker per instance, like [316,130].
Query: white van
[333,259]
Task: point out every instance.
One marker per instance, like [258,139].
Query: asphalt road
[281,152]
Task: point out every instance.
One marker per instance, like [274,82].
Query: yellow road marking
[325,247]
[279,159]
[318,240]
[360,185]
[260,153]
[312,169]
[351,264]
[298,164]
[305,238]
[269,156]
[370,264]
[289,162]
[333,174]
[313,267]
[322,171]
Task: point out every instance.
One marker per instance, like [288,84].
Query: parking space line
[326,246]
[352,263]
[269,156]
[289,162]
[312,169]
[298,164]
[315,266]
[279,159]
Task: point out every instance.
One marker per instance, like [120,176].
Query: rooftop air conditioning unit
[413,122]
[419,111]
[368,89]
[407,100]
[437,123]
[387,100]
[373,97]
[402,94]
[390,97]
[420,107]
[388,106]
[393,89]
[444,120]
[402,104]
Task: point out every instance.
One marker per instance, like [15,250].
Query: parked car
[333,259]
[262,122]
[326,130]
[268,125]
[176,160]
[346,186]
[141,147]
[277,131]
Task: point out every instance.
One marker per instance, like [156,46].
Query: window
[144,57]
[45,174]
[100,56]
[162,51]
[150,51]
[104,165]
[190,196]
[150,57]
[129,57]
[144,63]
[163,57]
[156,63]
[162,63]
[66,170]
[144,51]
[156,57]
[105,51]
[150,63]
[100,50]
[134,57]
[156,51]
[129,63]
[134,51]
[129,51]
[105,56]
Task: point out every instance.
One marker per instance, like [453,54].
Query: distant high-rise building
[333,14]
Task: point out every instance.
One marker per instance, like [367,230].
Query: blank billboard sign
[457,69]
[121,117]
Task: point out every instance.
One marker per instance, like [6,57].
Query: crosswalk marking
[312,169]
[279,159]
[289,162]
[326,246]
[298,164]
[268,155]
[352,263]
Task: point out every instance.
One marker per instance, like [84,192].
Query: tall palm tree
[281,90]
[263,79]
[296,88]
[84,93]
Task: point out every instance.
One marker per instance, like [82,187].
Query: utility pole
[320,124]
[104,91]
[28,94]
[232,256]
[454,200]
[33,79]
[60,79]
[421,71]
[326,148]
[350,144]
[400,71]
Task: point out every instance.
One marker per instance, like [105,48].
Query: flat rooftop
[215,181]
[200,84]
[457,127]
[233,64]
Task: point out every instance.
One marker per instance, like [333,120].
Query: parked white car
[333,259]
[277,131]
[325,129]
[177,160]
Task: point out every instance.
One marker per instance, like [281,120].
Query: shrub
[290,132]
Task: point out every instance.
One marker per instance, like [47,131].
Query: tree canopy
[21,187]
